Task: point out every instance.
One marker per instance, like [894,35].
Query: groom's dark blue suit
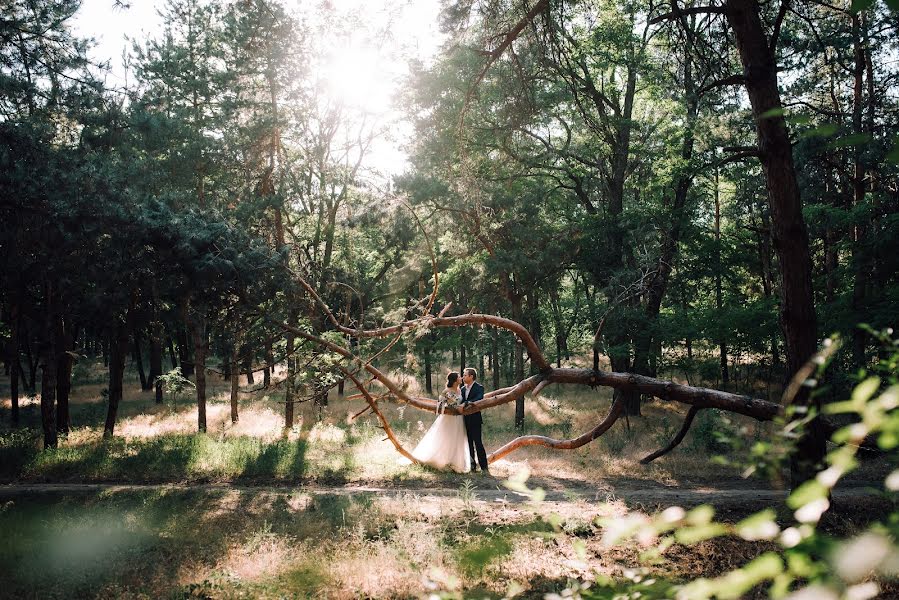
[473,424]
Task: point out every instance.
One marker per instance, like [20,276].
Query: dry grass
[336,443]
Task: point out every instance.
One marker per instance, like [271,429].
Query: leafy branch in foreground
[805,562]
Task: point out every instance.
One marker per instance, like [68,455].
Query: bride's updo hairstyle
[451,379]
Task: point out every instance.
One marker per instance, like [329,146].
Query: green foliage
[174,383]
[807,559]
[475,557]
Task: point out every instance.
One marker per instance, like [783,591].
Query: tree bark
[49,366]
[15,367]
[248,369]
[172,356]
[429,386]
[184,351]
[118,351]
[198,336]
[137,357]
[32,363]
[495,361]
[658,284]
[156,340]
[65,346]
[156,333]
[860,261]
[719,297]
[235,375]
[790,237]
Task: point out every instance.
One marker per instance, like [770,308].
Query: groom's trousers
[475,443]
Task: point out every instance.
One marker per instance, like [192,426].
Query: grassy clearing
[263,543]
[275,544]
[157,443]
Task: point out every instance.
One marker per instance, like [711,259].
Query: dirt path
[491,491]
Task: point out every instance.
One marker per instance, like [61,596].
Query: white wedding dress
[445,444]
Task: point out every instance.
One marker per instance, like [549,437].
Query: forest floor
[325,509]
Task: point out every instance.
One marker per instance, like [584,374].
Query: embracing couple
[453,441]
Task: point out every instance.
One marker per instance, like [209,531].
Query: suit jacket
[473,395]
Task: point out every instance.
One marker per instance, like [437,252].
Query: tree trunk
[137,357]
[429,387]
[462,357]
[495,361]
[49,365]
[533,303]
[32,364]
[248,369]
[65,346]
[269,364]
[156,333]
[860,262]
[291,380]
[510,371]
[519,373]
[184,351]
[118,352]
[198,335]
[235,375]
[15,367]
[719,299]
[481,370]
[172,356]
[797,311]
[558,326]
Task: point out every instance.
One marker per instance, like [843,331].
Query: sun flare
[356,76]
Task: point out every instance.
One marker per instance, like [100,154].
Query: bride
[445,443]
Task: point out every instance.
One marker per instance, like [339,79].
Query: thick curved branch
[539,440]
[519,330]
[688,420]
[372,403]
[761,410]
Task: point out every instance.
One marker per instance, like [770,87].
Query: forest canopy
[695,192]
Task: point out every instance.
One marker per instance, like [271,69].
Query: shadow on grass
[180,458]
[88,546]
[165,543]
[282,459]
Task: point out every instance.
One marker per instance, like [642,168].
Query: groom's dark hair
[472,372]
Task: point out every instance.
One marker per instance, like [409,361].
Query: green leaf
[700,515]
[893,155]
[772,113]
[692,535]
[894,4]
[807,492]
[859,5]
[863,391]
[760,526]
[855,139]
[826,130]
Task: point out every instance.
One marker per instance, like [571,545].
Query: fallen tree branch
[615,412]
[696,397]
[384,422]
[688,420]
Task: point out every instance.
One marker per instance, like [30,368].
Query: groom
[472,391]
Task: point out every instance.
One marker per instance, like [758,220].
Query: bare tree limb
[683,12]
[571,444]
[688,420]
[384,422]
